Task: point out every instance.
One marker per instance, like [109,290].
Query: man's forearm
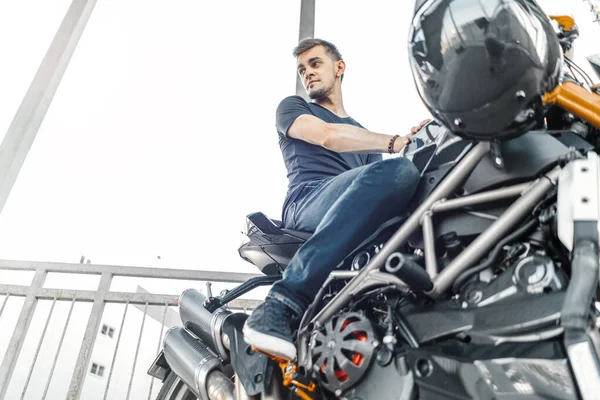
[344,138]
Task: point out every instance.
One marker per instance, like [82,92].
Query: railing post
[22,131]
[89,338]
[307,30]
[18,338]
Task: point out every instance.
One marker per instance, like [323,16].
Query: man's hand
[404,140]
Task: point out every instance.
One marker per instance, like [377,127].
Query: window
[107,331]
[97,369]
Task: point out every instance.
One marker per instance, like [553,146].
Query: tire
[174,388]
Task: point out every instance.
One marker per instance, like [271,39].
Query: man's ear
[341,68]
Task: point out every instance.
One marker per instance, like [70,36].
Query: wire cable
[493,255]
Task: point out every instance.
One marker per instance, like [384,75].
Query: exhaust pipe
[240,392]
[197,365]
[219,387]
[202,323]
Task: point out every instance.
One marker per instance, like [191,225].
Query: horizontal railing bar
[112,297]
[115,270]
[14,290]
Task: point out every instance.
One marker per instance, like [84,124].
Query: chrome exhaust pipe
[219,387]
[240,392]
[202,323]
[197,365]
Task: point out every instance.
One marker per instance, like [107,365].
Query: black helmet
[482,66]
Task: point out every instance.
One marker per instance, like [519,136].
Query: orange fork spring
[577,100]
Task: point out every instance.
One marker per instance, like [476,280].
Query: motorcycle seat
[299,234]
[271,247]
[274,227]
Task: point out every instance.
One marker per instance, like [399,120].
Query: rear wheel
[174,388]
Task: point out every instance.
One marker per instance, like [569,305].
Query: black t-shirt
[307,162]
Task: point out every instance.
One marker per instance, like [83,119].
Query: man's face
[318,72]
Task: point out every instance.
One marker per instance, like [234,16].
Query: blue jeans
[342,211]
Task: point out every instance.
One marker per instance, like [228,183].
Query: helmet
[481,66]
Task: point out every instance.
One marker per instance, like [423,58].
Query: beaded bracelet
[391,145]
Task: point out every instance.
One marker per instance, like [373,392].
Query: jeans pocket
[308,189]
[289,220]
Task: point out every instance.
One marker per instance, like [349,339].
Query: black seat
[270,247]
[279,224]
[300,234]
[273,226]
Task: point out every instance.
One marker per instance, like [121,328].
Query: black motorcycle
[485,289]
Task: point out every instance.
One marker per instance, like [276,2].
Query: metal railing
[100,297]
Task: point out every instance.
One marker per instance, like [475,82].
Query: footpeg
[300,385]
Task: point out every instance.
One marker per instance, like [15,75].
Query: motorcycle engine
[353,362]
[531,273]
[342,351]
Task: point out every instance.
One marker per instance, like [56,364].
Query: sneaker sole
[270,344]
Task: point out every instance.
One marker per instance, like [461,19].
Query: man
[339,188]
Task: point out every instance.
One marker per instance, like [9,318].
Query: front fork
[578,213]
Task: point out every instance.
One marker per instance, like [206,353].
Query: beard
[321,94]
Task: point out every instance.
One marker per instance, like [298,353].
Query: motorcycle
[485,289]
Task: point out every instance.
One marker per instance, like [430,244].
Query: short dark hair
[309,43]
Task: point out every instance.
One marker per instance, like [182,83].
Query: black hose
[406,332]
[581,290]
[312,309]
[576,309]
[493,255]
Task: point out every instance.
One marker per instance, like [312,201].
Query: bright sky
[161,137]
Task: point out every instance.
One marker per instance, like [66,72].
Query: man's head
[320,67]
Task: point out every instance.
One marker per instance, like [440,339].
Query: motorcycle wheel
[174,388]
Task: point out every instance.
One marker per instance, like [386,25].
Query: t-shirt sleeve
[288,110]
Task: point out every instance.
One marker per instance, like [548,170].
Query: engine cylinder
[201,322]
[191,359]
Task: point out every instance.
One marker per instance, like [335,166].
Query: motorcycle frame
[421,217]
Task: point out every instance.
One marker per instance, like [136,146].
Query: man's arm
[344,138]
